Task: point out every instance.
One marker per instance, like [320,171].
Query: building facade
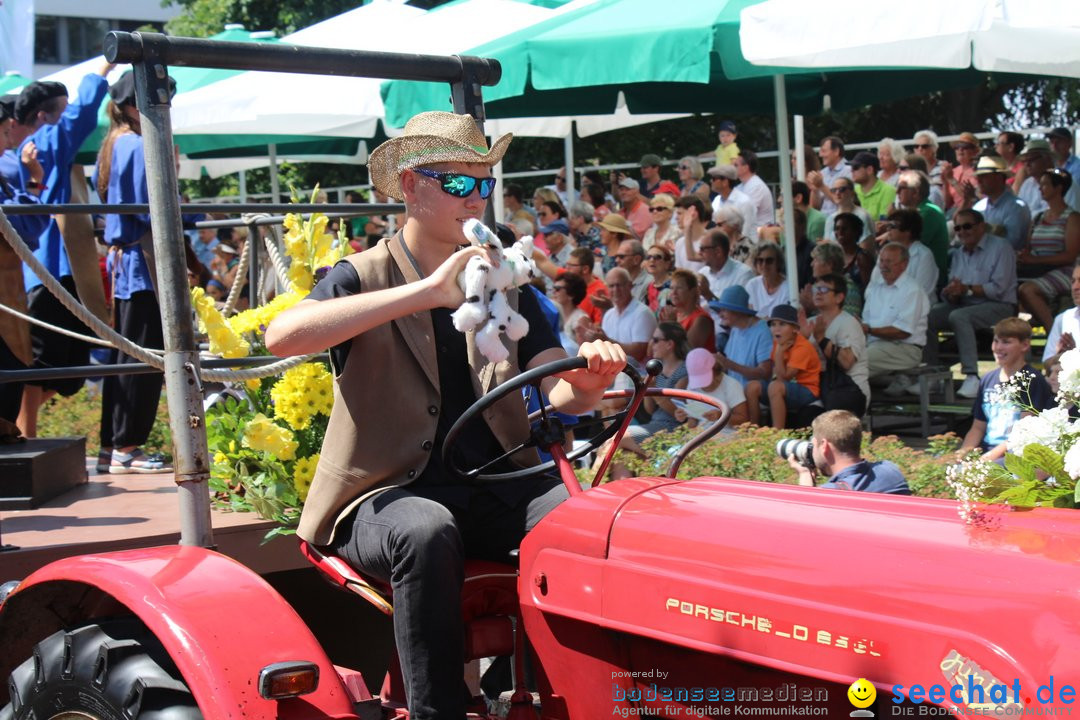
[70,31]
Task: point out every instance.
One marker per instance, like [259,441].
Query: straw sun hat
[430,138]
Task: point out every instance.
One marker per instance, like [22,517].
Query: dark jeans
[10,392]
[419,545]
[129,403]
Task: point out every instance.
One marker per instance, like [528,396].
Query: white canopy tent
[316,105]
[1038,37]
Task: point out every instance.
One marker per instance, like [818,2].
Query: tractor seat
[489,598]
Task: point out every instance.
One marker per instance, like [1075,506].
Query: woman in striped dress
[1052,248]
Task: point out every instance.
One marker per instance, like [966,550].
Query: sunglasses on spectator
[684,167]
[841,189]
[965,226]
[459,185]
[822,289]
[658,209]
[903,167]
[556,288]
[659,339]
[920,146]
[707,247]
[764,260]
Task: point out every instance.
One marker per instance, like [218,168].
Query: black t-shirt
[455,383]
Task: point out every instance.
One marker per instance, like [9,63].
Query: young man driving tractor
[382,497]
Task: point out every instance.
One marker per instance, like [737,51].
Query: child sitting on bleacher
[796,371]
[1006,393]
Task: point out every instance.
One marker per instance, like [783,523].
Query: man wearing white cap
[393,509]
[634,209]
[724,181]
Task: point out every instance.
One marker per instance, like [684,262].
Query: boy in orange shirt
[796,371]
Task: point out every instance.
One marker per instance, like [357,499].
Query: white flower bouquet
[1042,465]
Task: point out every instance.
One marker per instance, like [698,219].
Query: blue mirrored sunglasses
[460,185]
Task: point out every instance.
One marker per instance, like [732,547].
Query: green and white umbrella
[665,57]
[682,57]
[12,82]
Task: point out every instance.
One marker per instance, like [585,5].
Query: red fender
[220,622]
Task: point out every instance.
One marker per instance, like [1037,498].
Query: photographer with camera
[834,450]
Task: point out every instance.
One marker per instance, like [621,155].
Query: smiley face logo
[862,694]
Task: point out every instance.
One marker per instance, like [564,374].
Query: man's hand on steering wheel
[606,360]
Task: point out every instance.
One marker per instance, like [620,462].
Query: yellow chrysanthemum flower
[303,473]
[302,393]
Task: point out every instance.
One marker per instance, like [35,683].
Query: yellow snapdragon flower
[265,435]
[223,340]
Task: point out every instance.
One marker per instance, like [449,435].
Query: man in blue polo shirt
[55,144]
[837,443]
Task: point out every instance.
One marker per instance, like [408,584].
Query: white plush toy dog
[485,286]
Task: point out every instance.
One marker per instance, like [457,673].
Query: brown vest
[15,332]
[386,403]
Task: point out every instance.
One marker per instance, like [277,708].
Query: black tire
[112,670]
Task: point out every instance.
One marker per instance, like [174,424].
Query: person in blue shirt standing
[837,451]
[128,402]
[15,353]
[54,146]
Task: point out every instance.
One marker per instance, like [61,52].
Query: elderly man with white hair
[731,221]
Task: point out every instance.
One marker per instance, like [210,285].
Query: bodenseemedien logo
[862,695]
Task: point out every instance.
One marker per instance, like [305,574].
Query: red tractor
[647,596]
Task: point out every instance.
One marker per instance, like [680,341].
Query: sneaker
[137,461]
[898,387]
[970,388]
[104,461]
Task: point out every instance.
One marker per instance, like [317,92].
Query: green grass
[80,415]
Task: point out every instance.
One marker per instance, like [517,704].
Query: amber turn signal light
[288,679]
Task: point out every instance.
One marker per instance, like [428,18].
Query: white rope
[119,341]
[239,277]
[279,264]
[62,331]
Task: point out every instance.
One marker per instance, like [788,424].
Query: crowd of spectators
[903,257]
[895,251]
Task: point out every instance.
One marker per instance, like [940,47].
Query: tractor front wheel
[110,670]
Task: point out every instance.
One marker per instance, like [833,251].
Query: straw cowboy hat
[616,224]
[430,138]
[991,164]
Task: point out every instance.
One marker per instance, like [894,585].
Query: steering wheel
[548,433]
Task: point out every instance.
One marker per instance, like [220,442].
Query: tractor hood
[835,584]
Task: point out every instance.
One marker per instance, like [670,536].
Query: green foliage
[750,454]
[243,479]
[202,18]
[80,416]
[1024,481]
